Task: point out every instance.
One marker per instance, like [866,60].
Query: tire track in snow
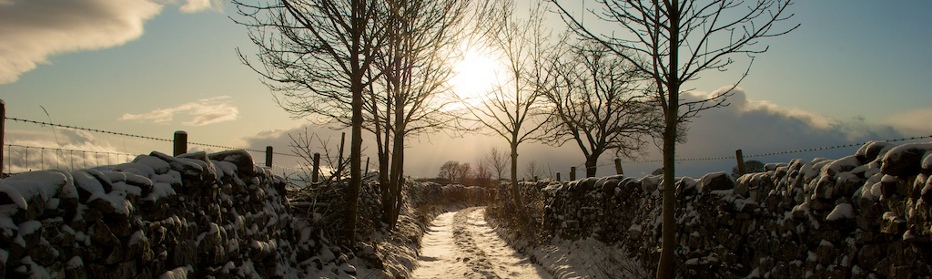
[462,245]
[435,259]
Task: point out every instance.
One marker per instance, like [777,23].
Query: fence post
[572,173]
[739,155]
[340,162]
[268,156]
[367,167]
[2,131]
[315,174]
[618,169]
[181,143]
[558,178]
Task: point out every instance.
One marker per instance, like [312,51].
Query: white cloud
[917,122]
[202,112]
[193,6]
[759,127]
[33,31]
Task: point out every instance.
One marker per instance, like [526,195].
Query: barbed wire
[138,136]
[836,147]
[69,150]
[66,157]
[59,157]
[86,129]
[732,157]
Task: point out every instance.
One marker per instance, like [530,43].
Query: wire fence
[734,157]
[18,158]
[22,158]
[78,128]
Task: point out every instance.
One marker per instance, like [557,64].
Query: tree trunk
[514,178]
[352,194]
[592,161]
[382,145]
[384,183]
[397,162]
[397,182]
[356,86]
[665,269]
[668,238]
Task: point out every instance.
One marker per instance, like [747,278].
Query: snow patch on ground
[586,258]
[438,251]
[461,244]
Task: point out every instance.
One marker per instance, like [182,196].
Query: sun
[475,75]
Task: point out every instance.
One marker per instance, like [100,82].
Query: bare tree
[462,172]
[533,171]
[482,173]
[414,69]
[448,171]
[316,56]
[514,110]
[598,104]
[672,42]
[454,172]
[302,146]
[498,161]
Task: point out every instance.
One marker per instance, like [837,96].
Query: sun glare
[475,75]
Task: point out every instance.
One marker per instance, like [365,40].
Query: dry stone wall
[194,216]
[867,215]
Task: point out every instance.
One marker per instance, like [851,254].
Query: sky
[853,71]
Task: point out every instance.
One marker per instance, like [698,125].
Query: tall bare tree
[482,173]
[415,69]
[316,56]
[515,110]
[598,104]
[672,42]
[498,161]
[462,172]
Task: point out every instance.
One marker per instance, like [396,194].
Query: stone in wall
[862,216]
[196,215]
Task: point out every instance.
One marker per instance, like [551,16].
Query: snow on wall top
[118,223]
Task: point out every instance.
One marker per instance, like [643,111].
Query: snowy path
[462,245]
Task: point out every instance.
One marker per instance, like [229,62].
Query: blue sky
[853,71]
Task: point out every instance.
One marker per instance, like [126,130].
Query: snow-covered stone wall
[867,215]
[194,216]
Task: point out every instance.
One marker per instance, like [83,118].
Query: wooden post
[181,143]
[2,131]
[739,155]
[268,156]
[558,178]
[618,169]
[367,167]
[315,175]
[572,173]
[340,161]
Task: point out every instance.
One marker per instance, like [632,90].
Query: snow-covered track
[462,245]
